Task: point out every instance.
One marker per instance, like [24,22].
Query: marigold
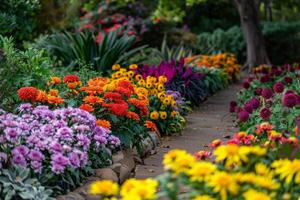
[42,96]
[119,109]
[55,80]
[53,92]
[28,93]
[105,188]
[86,107]
[54,99]
[151,126]
[71,78]
[103,123]
[92,100]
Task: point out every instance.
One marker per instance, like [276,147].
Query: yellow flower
[222,183]
[133,66]
[163,114]
[138,77]
[141,83]
[148,85]
[162,96]
[173,103]
[139,189]
[203,197]
[262,169]
[232,153]
[162,79]
[178,161]
[201,170]
[261,181]
[255,195]
[116,67]
[154,115]
[106,188]
[287,170]
[130,74]
[160,87]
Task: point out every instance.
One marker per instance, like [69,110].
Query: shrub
[18,68]
[12,15]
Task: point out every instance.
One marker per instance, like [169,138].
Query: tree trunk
[256,49]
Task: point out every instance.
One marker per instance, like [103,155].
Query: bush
[282,41]
[30,67]
[17,18]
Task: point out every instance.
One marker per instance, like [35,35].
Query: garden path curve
[208,122]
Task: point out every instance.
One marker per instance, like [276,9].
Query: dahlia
[243,116]
[255,103]
[119,109]
[71,78]
[267,93]
[248,107]
[290,100]
[265,113]
[133,115]
[28,93]
[288,80]
[246,85]
[258,91]
[113,96]
[278,87]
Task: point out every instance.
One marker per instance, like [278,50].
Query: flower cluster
[45,140]
[270,94]
[227,62]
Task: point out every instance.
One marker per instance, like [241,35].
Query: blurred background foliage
[209,26]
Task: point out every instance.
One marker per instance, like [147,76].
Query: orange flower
[28,93]
[151,126]
[54,99]
[133,115]
[86,107]
[42,96]
[92,100]
[53,92]
[103,123]
[55,80]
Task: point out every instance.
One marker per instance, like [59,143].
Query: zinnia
[28,93]
[71,78]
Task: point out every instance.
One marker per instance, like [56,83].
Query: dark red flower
[246,84]
[248,107]
[258,91]
[243,116]
[290,100]
[233,103]
[288,80]
[278,87]
[266,78]
[265,113]
[267,93]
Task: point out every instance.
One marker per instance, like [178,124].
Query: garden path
[208,122]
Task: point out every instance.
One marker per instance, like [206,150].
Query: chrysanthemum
[28,94]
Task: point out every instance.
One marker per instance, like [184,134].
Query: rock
[116,168]
[106,174]
[70,196]
[116,158]
[83,190]
[138,160]
[128,159]
[125,174]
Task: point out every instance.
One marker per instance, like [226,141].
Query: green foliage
[282,41]
[15,183]
[30,67]
[17,18]
[73,48]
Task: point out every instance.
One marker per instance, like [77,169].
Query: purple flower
[243,116]
[36,166]
[59,159]
[290,100]
[56,147]
[19,159]
[278,87]
[56,168]
[74,160]
[25,107]
[255,103]
[35,155]
[23,150]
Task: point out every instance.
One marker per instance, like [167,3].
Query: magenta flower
[290,100]
[265,113]
[278,87]
[243,116]
[267,93]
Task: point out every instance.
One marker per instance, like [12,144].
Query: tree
[256,48]
[249,17]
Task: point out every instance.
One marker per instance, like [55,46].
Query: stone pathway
[208,122]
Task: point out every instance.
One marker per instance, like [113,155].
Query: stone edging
[123,168]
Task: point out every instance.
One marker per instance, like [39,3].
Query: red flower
[278,87]
[290,100]
[113,96]
[243,116]
[99,38]
[119,109]
[124,91]
[71,78]
[28,93]
[267,93]
[126,84]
